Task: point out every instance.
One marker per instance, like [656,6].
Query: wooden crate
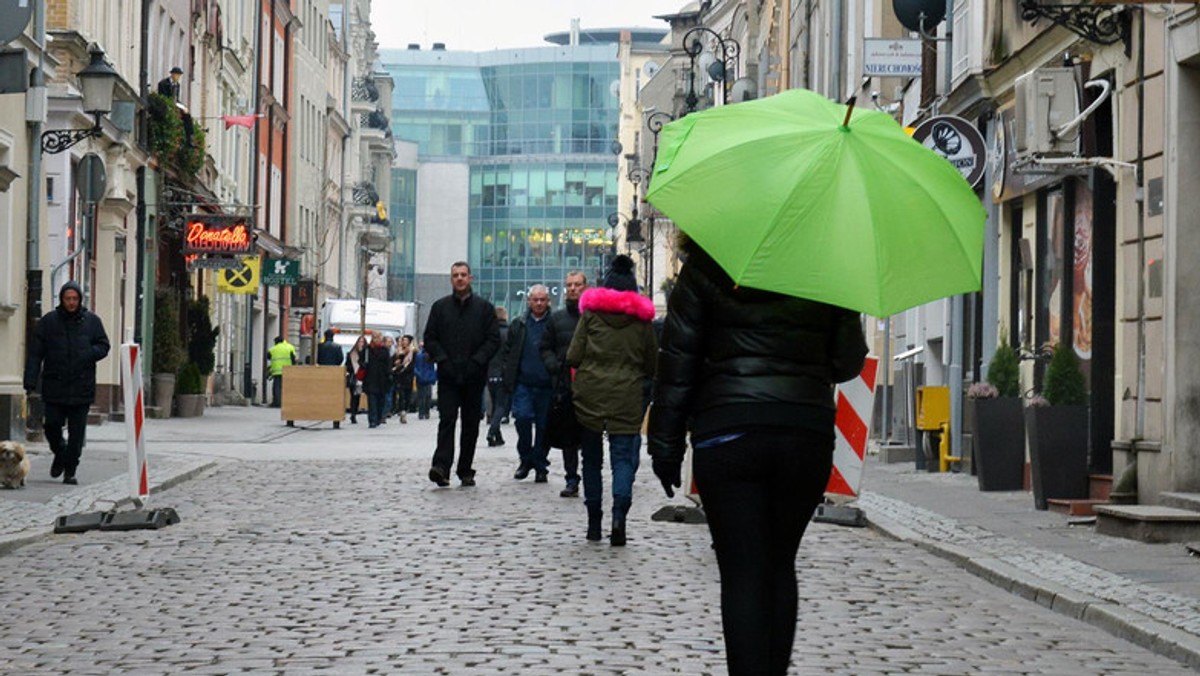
[314,393]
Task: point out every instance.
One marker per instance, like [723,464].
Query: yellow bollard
[944,457]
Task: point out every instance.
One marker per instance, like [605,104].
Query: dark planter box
[998,434]
[1058,450]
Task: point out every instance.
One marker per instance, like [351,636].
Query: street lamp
[723,70]
[97,82]
[370,242]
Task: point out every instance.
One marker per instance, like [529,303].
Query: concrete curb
[1114,619]
[86,501]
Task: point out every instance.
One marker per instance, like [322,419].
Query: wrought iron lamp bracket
[1102,24]
[57,140]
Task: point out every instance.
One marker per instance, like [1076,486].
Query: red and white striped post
[135,418]
[855,402]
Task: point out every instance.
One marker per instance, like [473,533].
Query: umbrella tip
[849,110]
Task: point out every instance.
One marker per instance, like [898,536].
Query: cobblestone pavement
[359,565]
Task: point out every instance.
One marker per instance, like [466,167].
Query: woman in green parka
[614,350]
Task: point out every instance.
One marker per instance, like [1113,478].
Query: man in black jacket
[328,352]
[555,342]
[461,335]
[67,343]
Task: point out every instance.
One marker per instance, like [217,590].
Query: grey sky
[479,25]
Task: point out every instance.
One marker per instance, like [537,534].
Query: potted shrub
[189,395]
[1057,427]
[998,427]
[168,350]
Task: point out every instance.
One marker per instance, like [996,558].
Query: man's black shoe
[541,478]
[56,468]
[495,439]
[522,471]
[571,491]
[467,481]
[437,476]
[70,480]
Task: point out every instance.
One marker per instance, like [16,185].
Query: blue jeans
[530,408]
[624,454]
[375,404]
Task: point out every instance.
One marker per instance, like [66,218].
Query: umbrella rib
[937,203]
[783,204]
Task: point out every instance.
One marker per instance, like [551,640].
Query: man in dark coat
[555,342]
[462,335]
[328,352]
[499,399]
[169,85]
[67,343]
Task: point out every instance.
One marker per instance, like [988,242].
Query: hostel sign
[214,234]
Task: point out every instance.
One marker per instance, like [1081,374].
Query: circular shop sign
[956,140]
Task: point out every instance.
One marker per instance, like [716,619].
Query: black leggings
[759,492]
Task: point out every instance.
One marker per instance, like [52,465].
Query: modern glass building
[516,171]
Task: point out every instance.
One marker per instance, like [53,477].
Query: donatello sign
[212,234]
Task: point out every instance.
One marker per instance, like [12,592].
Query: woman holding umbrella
[798,208]
[751,373]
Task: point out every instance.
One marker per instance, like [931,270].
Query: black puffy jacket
[735,359]
[64,352]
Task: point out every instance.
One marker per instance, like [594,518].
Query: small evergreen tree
[202,336]
[168,346]
[189,380]
[1064,384]
[1004,372]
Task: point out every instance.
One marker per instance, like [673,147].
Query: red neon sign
[221,235]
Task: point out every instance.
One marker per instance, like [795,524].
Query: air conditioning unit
[1047,99]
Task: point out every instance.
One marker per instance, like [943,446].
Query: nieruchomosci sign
[890,57]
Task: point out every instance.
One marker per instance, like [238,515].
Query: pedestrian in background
[526,377]
[425,372]
[378,380]
[613,351]
[390,392]
[498,397]
[751,373]
[462,335]
[402,369]
[328,352]
[356,372]
[67,342]
[281,354]
[555,342]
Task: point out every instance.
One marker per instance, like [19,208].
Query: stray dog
[14,466]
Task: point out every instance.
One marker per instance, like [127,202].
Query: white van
[388,318]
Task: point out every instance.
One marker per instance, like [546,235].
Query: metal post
[886,363]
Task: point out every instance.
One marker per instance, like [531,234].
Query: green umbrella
[797,194]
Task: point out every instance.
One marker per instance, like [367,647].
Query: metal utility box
[1046,99]
[933,406]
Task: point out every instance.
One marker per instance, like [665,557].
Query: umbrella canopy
[787,194]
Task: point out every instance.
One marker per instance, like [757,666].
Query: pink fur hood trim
[599,299]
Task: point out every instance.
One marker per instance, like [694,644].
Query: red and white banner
[855,402]
[135,418]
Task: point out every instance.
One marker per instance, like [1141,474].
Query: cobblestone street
[359,565]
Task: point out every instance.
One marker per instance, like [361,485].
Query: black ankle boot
[617,537]
[620,509]
[595,517]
